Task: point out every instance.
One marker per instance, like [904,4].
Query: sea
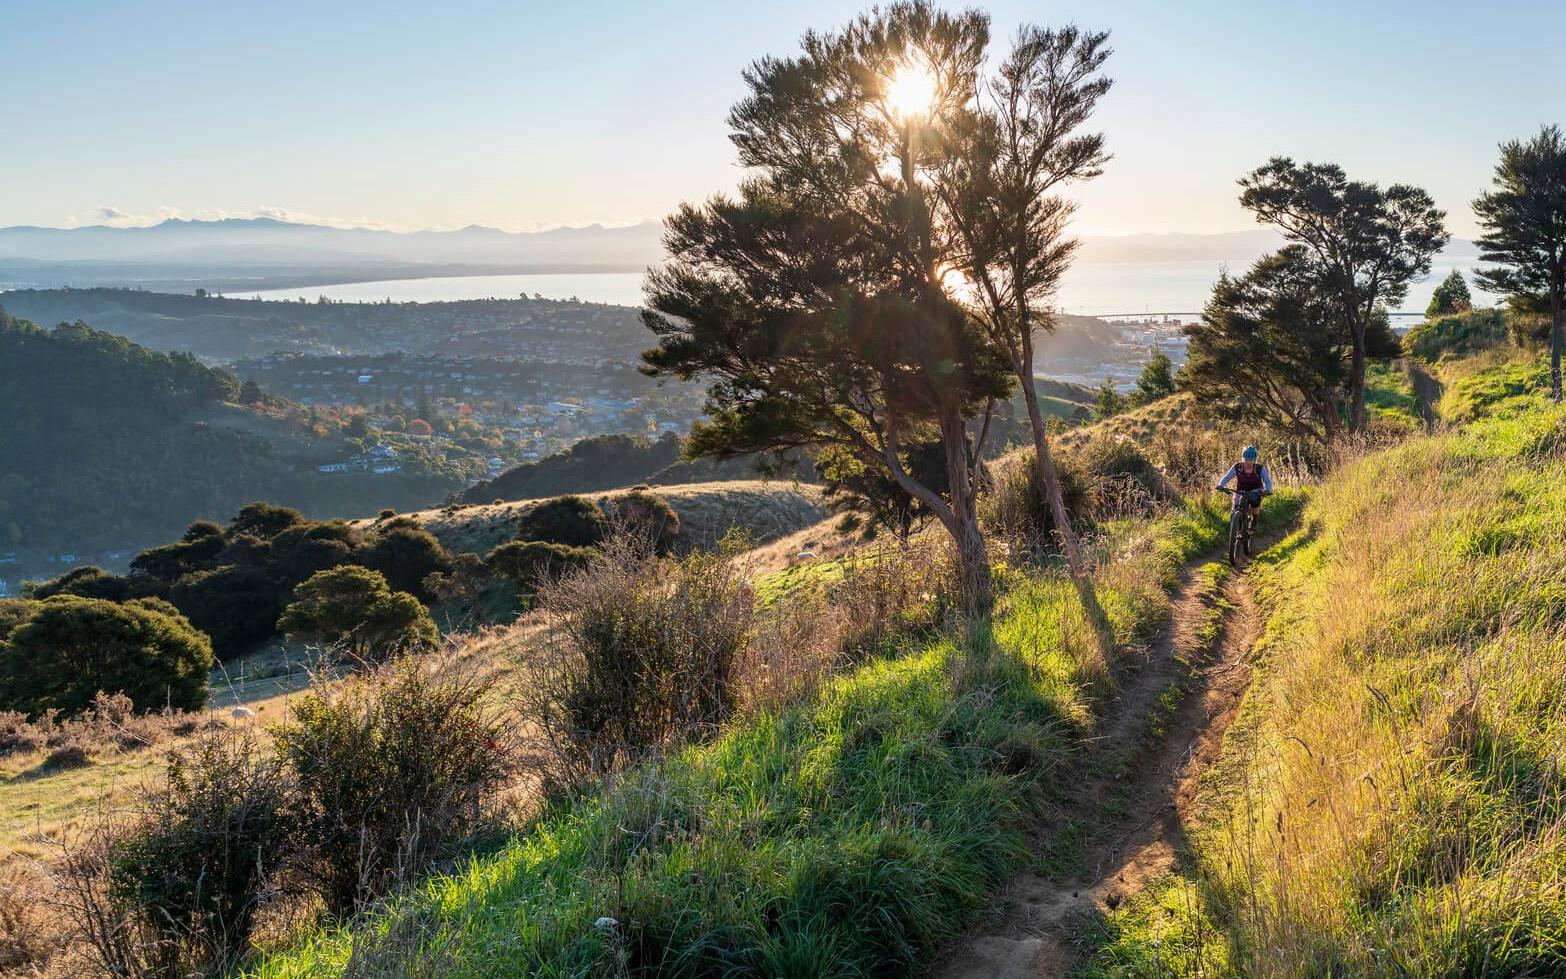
[1108,289]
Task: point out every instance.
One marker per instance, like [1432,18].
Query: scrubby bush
[1456,334]
[191,875]
[237,607]
[1122,480]
[353,607]
[405,554]
[647,655]
[265,520]
[462,584]
[646,515]
[168,562]
[1016,510]
[1156,380]
[70,648]
[530,563]
[13,612]
[392,769]
[89,581]
[304,548]
[572,520]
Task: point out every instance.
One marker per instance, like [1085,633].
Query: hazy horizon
[526,118]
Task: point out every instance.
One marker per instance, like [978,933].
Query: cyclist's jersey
[1257,479]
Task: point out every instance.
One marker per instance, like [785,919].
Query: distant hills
[109,445]
[268,241]
[232,254]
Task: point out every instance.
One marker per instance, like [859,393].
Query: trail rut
[1133,814]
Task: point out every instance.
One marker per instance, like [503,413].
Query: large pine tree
[1524,219]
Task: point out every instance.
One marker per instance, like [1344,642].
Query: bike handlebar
[1237,491]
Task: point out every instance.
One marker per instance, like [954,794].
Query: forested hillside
[111,445]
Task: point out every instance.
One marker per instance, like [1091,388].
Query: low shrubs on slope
[1392,799]
[1457,334]
[848,835]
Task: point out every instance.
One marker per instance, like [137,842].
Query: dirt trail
[1029,933]
[1427,390]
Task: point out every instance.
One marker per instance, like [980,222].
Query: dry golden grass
[1392,800]
[767,509]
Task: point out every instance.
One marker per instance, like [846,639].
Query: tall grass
[849,834]
[1391,801]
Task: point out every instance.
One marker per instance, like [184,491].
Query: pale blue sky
[522,115]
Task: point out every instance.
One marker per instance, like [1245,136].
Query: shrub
[237,607]
[1123,481]
[1156,380]
[530,563]
[392,770]
[647,655]
[263,519]
[168,562]
[647,515]
[1016,510]
[353,607]
[13,612]
[304,548]
[1456,334]
[70,648]
[571,520]
[89,581]
[25,938]
[462,584]
[405,554]
[192,874]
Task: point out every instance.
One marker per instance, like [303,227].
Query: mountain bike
[1242,520]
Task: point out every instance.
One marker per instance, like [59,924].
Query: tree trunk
[978,589]
[1075,565]
[1357,381]
[1557,314]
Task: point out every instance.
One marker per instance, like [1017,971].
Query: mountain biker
[1250,477]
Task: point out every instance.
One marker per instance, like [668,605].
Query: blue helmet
[1250,453]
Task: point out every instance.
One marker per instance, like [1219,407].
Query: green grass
[847,836]
[1391,800]
[1457,335]
[1514,385]
[1389,397]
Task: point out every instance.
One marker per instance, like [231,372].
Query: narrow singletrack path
[1134,793]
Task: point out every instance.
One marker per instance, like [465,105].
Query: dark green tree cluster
[1361,243]
[353,608]
[1272,348]
[1156,381]
[233,583]
[1286,345]
[600,463]
[1109,402]
[1524,221]
[58,653]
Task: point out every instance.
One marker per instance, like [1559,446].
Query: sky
[525,115]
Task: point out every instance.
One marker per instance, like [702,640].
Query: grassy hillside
[849,835]
[1391,803]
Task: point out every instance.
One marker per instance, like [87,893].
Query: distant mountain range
[260,252]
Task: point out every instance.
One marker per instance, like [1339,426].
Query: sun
[910,92]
